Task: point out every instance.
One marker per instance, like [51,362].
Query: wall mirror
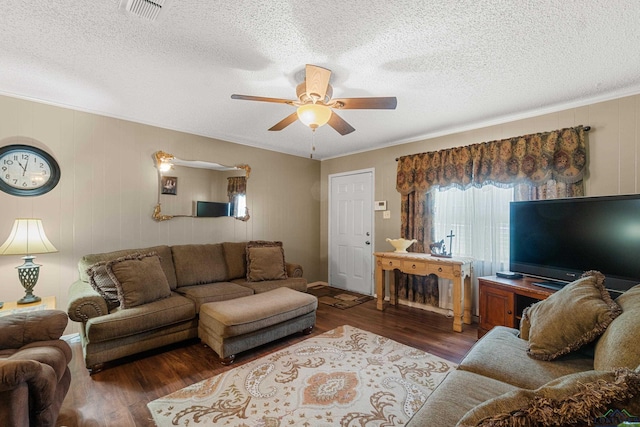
[196,189]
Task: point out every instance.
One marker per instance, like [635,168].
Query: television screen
[214,209]
[560,239]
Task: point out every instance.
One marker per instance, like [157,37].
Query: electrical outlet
[386,215]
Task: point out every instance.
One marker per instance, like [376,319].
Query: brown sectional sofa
[196,274]
[499,384]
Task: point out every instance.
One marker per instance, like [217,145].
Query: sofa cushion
[163,251]
[568,319]
[199,264]
[576,399]
[139,279]
[20,329]
[501,355]
[139,320]
[54,353]
[103,284]
[440,409]
[265,263]
[295,283]
[235,255]
[220,291]
[252,313]
[619,346]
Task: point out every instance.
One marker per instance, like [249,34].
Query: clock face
[27,170]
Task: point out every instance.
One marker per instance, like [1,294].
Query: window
[479,219]
[239,205]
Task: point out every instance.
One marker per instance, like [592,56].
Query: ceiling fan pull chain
[313,143]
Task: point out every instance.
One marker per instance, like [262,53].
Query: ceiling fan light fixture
[315,104]
[314,115]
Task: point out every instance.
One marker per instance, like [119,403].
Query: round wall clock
[27,171]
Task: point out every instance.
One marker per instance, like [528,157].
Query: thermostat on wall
[380,205]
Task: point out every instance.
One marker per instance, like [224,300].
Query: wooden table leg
[380,286]
[457,304]
[393,292]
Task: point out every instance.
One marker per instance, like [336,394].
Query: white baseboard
[71,337]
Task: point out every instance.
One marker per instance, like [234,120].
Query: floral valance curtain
[236,185]
[534,159]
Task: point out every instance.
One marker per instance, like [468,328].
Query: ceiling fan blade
[262,98]
[317,81]
[339,124]
[285,122]
[381,103]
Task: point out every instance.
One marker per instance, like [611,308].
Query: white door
[350,231]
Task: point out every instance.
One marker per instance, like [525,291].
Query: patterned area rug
[346,377]
[335,297]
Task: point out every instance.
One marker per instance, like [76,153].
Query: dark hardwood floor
[118,395]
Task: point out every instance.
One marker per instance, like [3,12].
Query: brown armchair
[34,372]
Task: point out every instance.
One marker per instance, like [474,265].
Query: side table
[12,307]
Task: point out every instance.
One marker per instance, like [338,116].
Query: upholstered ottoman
[232,326]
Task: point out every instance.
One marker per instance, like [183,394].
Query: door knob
[367,242]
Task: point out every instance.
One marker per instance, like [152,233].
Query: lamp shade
[314,115]
[27,237]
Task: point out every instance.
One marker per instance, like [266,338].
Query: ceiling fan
[315,107]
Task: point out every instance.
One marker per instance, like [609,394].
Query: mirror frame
[162,158]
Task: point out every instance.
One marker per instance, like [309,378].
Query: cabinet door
[496,308]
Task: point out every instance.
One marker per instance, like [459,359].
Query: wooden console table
[458,269]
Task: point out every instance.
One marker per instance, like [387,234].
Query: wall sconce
[314,115]
[27,237]
[163,161]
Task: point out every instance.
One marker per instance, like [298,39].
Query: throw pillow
[265,263]
[574,399]
[619,347]
[570,318]
[139,279]
[102,283]
[263,244]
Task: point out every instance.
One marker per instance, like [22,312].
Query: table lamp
[27,238]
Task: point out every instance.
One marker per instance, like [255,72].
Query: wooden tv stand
[502,300]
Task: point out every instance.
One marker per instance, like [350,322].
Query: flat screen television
[559,239]
[214,209]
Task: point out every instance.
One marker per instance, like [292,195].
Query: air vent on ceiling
[147,9]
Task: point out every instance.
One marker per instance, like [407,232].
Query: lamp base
[29,299]
[28,274]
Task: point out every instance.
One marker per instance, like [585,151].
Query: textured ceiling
[452,65]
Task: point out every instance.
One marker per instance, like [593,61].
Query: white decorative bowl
[401,245]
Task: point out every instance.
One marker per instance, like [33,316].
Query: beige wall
[614,158]
[108,189]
